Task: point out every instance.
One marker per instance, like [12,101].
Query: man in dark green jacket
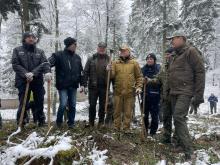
[95,74]
[186,79]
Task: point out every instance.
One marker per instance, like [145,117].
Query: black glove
[196,101]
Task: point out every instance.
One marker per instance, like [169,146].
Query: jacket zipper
[69,65]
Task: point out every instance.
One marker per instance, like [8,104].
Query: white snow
[29,147]
[98,157]
[162,162]
[14,133]
[81,112]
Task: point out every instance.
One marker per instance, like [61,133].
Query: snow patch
[29,147]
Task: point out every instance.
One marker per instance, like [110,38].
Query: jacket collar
[182,49]
[96,55]
[124,60]
[29,48]
[68,51]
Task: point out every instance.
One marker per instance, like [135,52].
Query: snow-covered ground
[81,112]
[31,146]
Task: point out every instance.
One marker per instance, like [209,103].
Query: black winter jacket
[68,68]
[26,60]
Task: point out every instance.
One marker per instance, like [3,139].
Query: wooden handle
[108,83]
[24,104]
[48,104]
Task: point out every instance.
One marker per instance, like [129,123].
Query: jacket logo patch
[21,53]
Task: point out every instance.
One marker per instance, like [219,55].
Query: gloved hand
[145,80]
[138,91]
[109,67]
[48,76]
[29,76]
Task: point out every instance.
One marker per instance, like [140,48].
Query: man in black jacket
[69,70]
[96,74]
[29,64]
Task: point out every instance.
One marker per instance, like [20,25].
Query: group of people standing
[172,85]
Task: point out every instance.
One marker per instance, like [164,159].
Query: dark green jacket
[186,73]
[91,73]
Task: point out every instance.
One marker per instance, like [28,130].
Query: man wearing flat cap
[29,64]
[95,75]
[68,67]
[128,81]
[186,79]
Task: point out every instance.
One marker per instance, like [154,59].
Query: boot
[165,140]
[41,124]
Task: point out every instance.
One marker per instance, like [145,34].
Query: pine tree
[7,6]
[146,25]
[216,49]
[198,23]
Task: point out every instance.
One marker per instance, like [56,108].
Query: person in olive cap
[69,70]
[95,74]
[186,79]
[29,64]
[128,81]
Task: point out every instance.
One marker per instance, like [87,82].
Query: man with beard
[29,64]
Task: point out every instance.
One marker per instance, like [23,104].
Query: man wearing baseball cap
[186,79]
[128,80]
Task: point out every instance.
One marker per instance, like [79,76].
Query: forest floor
[82,145]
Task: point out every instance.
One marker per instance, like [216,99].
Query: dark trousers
[180,106]
[94,95]
[167,119]
[193,109]
[213,106]
[38,94]
[151,108]
[67,98]
[0,121]
[31,106]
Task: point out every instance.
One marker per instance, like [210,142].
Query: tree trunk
[99,22]
[25,16]
[0,24]
[107,22]
[114,30]
[164,29]
[76,35]
[56,49]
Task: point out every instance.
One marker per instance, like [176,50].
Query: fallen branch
[14,133]
[215,152]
